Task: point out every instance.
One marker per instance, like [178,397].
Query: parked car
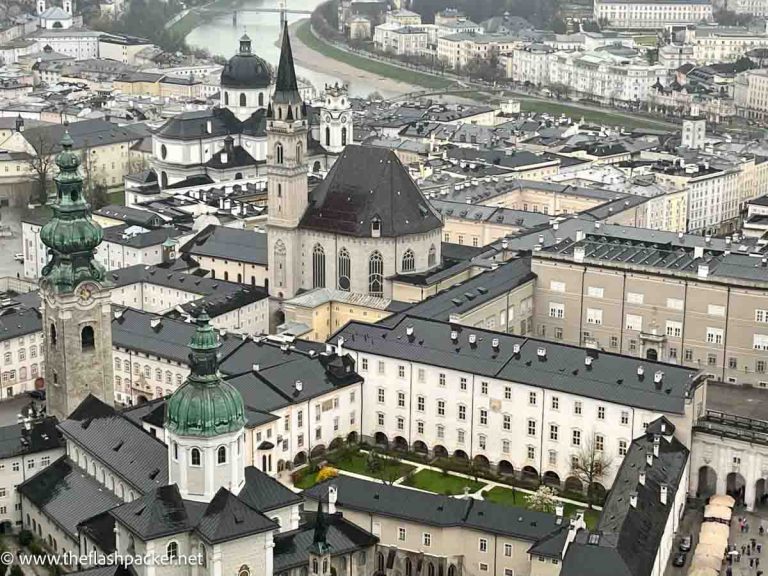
[685,543]
[679,559]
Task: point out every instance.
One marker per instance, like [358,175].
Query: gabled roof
[228,518]
[262,492]
[229,244]
[158,513]
[367,184]
[14,439]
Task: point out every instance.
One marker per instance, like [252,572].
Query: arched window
[376,274]
[279,153]
[299,152]
[131,546]
[163,151]
[244,571]
[408,567]
[195,457]
[87,338]
[409,261]
[163,180]
[221,455]
[239,176]
[327,136]
[175,451]
[172,550]
[261,98]
[226,98]
[315,566]
[53,334]
[203,556]
[243,99]
[280,263]
[430,569]
[432,257]
[318,267]
[345,270]
[344,136]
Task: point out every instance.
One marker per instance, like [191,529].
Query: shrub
[327,472]
[16,570]
[25,537]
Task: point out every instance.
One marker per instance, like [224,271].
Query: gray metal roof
[229,244]
[15,440]
[610,377]
[19,320]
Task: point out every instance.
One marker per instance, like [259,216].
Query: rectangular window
[558,333]
[599,442]
[481,441]
[634,322]
[507,392]
[674,304]
[553,432]
[420,403]
[594,292]
[483,567]
[508,550]
[688,355]
[576,438]
[420,427]
[601,412]
[624,417]
[427,539]
[622,447]
[531,427]
[761,316]
[555,403]
[556,310]
[594,316]
[635,298]
[460,436]
[484,388]
[555,286]
[380,367]
[715,310]
[422,375]
[462,412]
[441,407]
[400,423]
[441,379]
[507,424]
[400,400]
[614,342]
[463,383]
[380,419]
[483,416]
[760,342]
[530,452]
[380,395]
[505,446]
[714,335]
[401,371]
[532,398]
[401,534]
[553,457]
[674,329]
[483,545]
[577,407]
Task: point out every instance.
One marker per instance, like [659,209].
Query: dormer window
[376,227]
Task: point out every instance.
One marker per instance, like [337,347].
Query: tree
[559,26]
[542,500]
[16,570]
[327,472]
[385,468]
[652,56]
[41,162]
[590,465]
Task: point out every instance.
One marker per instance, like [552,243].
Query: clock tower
[335,119]
[75,298]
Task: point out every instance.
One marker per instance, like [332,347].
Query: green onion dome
[205,405]
[71,235]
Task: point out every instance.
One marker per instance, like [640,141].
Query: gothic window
[195,457]
[376,274]
[343,136]
[163,151]
[242,99]
[221,455]
[203,556]
[279,113]
[280,263]
[318,267]
[345,269]
[226,98]
[172,550]
[409,261]
[432,256]
[376,227]
[261,98]
[53,335]
[87,338]
[298,153]
[279,153]
[327,136]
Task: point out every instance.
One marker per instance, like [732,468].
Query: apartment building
[518,404]
[652,14]
[21,348]
[722,43]
[402,40]
[456,51]
[750,94]
[25,449]
[689,300]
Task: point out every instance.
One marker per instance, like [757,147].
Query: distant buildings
[655,15]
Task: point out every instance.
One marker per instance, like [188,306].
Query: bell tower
[75,297]
[335,119]
[287,189]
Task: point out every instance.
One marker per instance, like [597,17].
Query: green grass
[619,118]
[646,40]
[306,481]
[511,498]
[304,34]
[441,483]
[357,463]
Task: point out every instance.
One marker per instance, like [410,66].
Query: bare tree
[385,468]
[590,465]
[41,162]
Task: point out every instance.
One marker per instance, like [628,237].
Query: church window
[409,261]
[318,267]
[242,99]
[432,256]
[280,263]
[376,274]
[168,377]
[345,270]
[158,375]
[203,556]
[343,136]
[163,151]
[53,335]
[172,550]
[376,227]
[298,153]
[87,338]
[239,176]
[175,451]
[279,153]
[221,455]
[315,566]
[164,180]
[327,136]
[261,98]
[244,571]
[279,113]
[279,190]
[195,457]
[226,98]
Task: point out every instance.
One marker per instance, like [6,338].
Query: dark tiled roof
[229,244]
[286,85]
[67,495]
[160,512]
[228,518]
[101,530]
[131,452]
[628,538]
[262,492]
[85,134]
[610,377]
[436,509]
[367,183]
[292,548]
[42,436]
[127,235]
[19,320]
[131,215]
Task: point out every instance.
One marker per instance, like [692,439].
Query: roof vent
[633,499]
[473,339]
[640,371]
[409,331]
[495,343]
[658,376]
[541,352]
[516,349]
[299,385]
[255,367]
[588,361]
[454,335]
[154,322]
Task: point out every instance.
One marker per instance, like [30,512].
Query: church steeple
[286,86]
[71,235]
[320,549]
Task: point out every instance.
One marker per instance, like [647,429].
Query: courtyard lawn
[513,498]
[441,483]
[306,481]
[357,463]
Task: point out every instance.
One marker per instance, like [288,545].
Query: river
[220,37]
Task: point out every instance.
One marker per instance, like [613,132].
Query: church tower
[335,119]
[75,297]
[287,176]
[320,550]
[204,424]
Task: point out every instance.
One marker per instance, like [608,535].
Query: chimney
[495,343]
[329,349]
[640,372]
[641,478]
[333,494]
[633,499]
[698,251]
[454,336]
[559,511]
[579,235]
[504,244]
[703,270]
[209,127]
[255,367]
[154,322]
[473,339]
[541,352]
[663,493]
[299,385]
[578,254]
[224,157]
[515,349]
[409,331]
[656,444]
[658,378]
[339,345]
[649,456]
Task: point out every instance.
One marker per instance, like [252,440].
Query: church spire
[71,235]
[286,86]
[320,546]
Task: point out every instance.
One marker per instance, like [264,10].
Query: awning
[717,512]
[722,500]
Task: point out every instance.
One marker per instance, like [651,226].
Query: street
[10,219]
[9,409]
